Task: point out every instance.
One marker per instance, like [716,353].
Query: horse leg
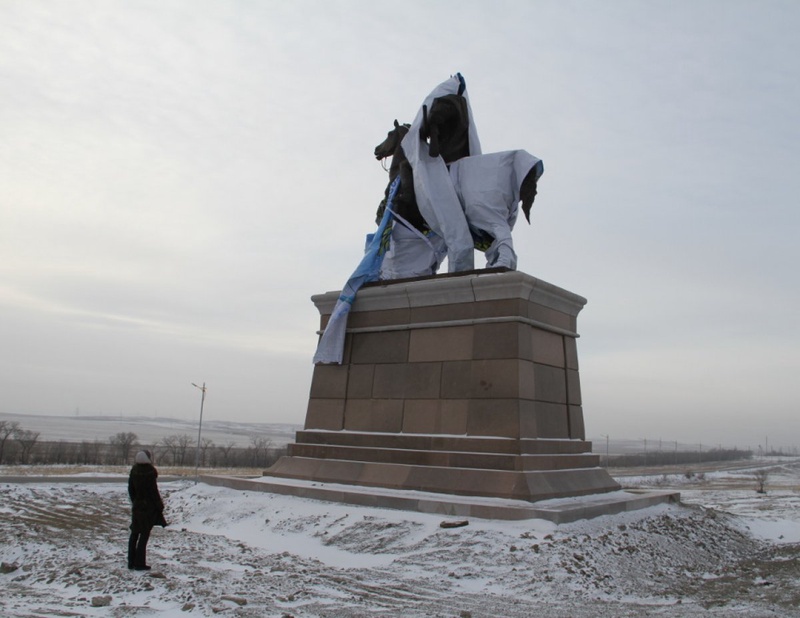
[491,212]
[501,252]
[409,255]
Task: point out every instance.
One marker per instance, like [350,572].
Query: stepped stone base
[462,384]
[529,469]
[559,511]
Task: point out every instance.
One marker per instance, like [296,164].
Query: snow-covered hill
[254,554]
[149,430]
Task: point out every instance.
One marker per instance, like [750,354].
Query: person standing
[147,509]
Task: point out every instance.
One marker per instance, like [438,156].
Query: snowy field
[149,430]
[727,551]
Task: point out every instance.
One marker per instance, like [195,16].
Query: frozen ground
[149,430]
[727,551]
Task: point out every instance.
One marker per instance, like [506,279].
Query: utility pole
[199,431]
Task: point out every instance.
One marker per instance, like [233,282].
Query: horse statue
[489,188]
[413,249]
[405,202]
[444,199]
[446,127]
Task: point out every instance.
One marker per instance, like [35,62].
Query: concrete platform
[558,510]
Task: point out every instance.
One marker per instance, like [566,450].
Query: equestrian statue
[452,199]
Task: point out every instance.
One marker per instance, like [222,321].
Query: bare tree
[26,440]
[90,452]
[205,444]
[178,447]
[184,442]
[171,446]
[57,452]
[260,445]
[226,453]
[7,428]
[122,443]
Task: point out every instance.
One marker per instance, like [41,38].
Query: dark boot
[132,549]
[140,558]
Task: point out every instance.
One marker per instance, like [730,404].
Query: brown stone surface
[422,416]
[360,378]
[390,381]
[329,382]
[442,313]
[465,385]
[384,415]
[576,427]
[437,442]
[551,383]
[571,352]
[453,459]
[407,381]
[379,347]
[526,485]
[560,512]
[493,417]
[526,380]
[499,340]
[454,416]
[449,343]
[456,376]
[366,319]
[325,414]
[547,347]
[551,420]
[494,379]
[573,388]
[500,308]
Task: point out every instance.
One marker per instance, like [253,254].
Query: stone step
[453,459]
[528,485]
[558,510]
[448,443]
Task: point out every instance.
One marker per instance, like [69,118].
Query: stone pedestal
[458,384]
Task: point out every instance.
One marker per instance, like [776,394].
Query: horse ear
[396,124]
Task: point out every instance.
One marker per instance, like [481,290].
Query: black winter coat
[148,508]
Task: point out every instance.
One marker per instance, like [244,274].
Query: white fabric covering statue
[488,188]
[436,196]
[464,197]
[466,202]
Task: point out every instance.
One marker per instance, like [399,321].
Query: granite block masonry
[464,384]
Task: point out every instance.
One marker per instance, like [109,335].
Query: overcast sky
[178,177]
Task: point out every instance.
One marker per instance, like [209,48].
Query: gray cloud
[177,180]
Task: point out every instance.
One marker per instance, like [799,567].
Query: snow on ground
[62,548]
[149,430]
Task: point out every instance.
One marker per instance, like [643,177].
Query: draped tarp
[330,348]
[488,188]
[412,253]
[436,196]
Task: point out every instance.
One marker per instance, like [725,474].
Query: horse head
[446,125]
[389,146]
